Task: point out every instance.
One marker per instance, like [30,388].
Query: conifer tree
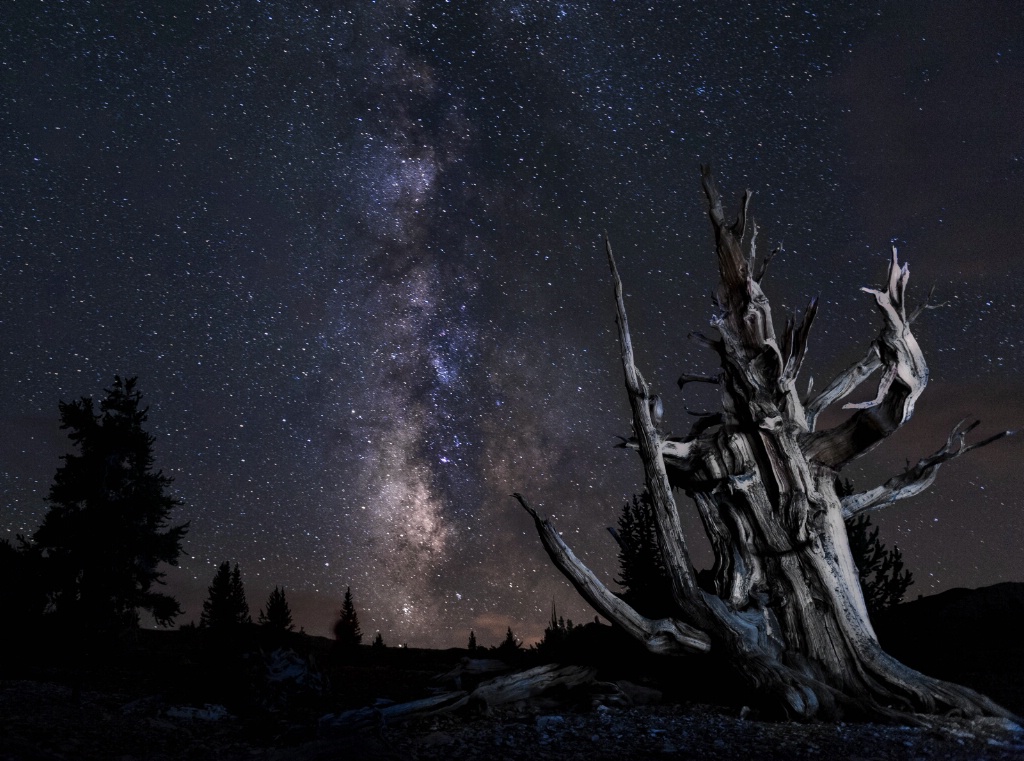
[22,586]
[346,631]
[642,571]
[471,646]
[277,615]
[882,577]
[225,606]
[378,642]
[107,530]
[511,644]
[556,635]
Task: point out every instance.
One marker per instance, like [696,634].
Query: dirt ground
[44,721]
[181,695]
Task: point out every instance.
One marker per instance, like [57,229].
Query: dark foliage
[883,579]
[642,573]
[471,645]
[277,614]
[107,531]
[378,642]
[225,606]
[22,586]
[882,576]
[346,631]
[557,636]
[511,645]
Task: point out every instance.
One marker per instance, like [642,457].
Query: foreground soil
[41,721]
[176,695]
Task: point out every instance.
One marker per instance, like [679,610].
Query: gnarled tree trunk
[786,609]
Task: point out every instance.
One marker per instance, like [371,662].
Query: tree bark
[522,685]
[787,609]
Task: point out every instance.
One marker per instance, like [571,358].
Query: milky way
[354,257]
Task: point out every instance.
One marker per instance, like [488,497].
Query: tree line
[93,564]
[95,561]
[226,608]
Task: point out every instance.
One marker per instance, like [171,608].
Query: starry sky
[353,252]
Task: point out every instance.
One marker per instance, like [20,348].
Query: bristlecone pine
[786,610]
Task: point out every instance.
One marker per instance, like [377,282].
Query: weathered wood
[471,670]
[501,690]
[919,477]
[904,377]
[787,608]
[529,684]
[660,636]
[843,385]
[847,381]
[372,716]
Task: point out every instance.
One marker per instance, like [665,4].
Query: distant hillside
[970,636]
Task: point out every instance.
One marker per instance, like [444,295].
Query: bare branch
[752,248]
[847,381]
[739,227]
[670,530]
[843,385]
[763,268]
[904,378]
[732,263]
[795,341]
[927,305]
[919,477]
[664,636]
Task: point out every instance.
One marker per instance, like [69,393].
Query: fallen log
[372,716]
[529,684]
[502,690]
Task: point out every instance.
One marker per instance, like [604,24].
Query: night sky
[354,257]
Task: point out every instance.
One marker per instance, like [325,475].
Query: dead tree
[786,610]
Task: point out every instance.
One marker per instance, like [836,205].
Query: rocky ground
[181,695]
[43,721]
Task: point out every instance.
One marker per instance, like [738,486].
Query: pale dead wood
[372,716]
[649,443]
[786,607]
[916,479]
[904,377]
[530,683]
[499,691]
[850,379]
[843,385]
[660,636]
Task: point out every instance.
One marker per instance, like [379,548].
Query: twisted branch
[916,479]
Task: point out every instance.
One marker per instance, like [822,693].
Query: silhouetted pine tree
[378,642]
[107,531]
[642,572]
[471,645]
[278,615]
[346,630]
[556,636]
[511,645]
[882,577]
[225,605]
